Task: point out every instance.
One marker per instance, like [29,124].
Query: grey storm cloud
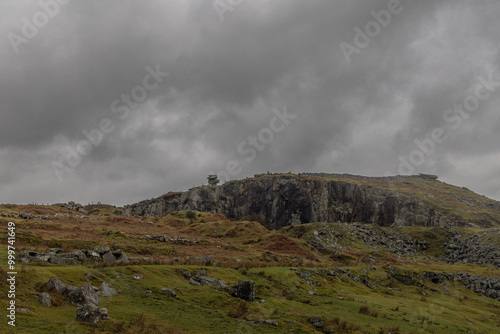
[359,113]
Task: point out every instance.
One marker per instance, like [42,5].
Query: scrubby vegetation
[374,291]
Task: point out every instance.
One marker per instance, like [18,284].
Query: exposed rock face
[244,290]
[288,200]
[474,249]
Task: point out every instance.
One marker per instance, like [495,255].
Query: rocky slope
[287,199]
[481,248]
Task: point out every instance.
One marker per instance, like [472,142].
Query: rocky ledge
[57,256]
[284,200]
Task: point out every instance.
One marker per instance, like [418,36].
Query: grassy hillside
[291,277]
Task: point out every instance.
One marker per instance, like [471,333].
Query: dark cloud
[226,77]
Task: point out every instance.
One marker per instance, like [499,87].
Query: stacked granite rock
[57,256]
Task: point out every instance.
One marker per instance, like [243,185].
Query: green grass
[244,247]
[287,298]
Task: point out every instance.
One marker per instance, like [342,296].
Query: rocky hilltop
[279,200]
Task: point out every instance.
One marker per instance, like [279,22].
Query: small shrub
[239,310]
[144,325]
[341,326]
[190,214]
[392,330]
[364,310]
[287,294]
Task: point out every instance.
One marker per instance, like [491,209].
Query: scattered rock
[30,256]
[204,260]
[84,295]
[149,292]
[69,289]
[56,256]
[106,290]
[267,322]
[104,313]
[169,292]
[474,249]
[88,313]
[193,282]
[138,276]
[25,215]
[316,322]
[88,277]
[101,250]
[45,299]
[109,258]
[54,284]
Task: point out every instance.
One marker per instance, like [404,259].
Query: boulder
[316,322]
[104,313]
[54,285]
[244,290]
[64,258]
[101,250]
[30,256]
[122,258]
[93,256]
[106,290]
[204,260]
[79,255]
[268,322]
[169,292]
[25,215]
[88,313]
[193,282]
[69,288]
[109,258]
[84,295]
[45,299]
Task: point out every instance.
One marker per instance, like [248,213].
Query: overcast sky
[252,86]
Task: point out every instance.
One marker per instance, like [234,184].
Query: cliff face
[291,200]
